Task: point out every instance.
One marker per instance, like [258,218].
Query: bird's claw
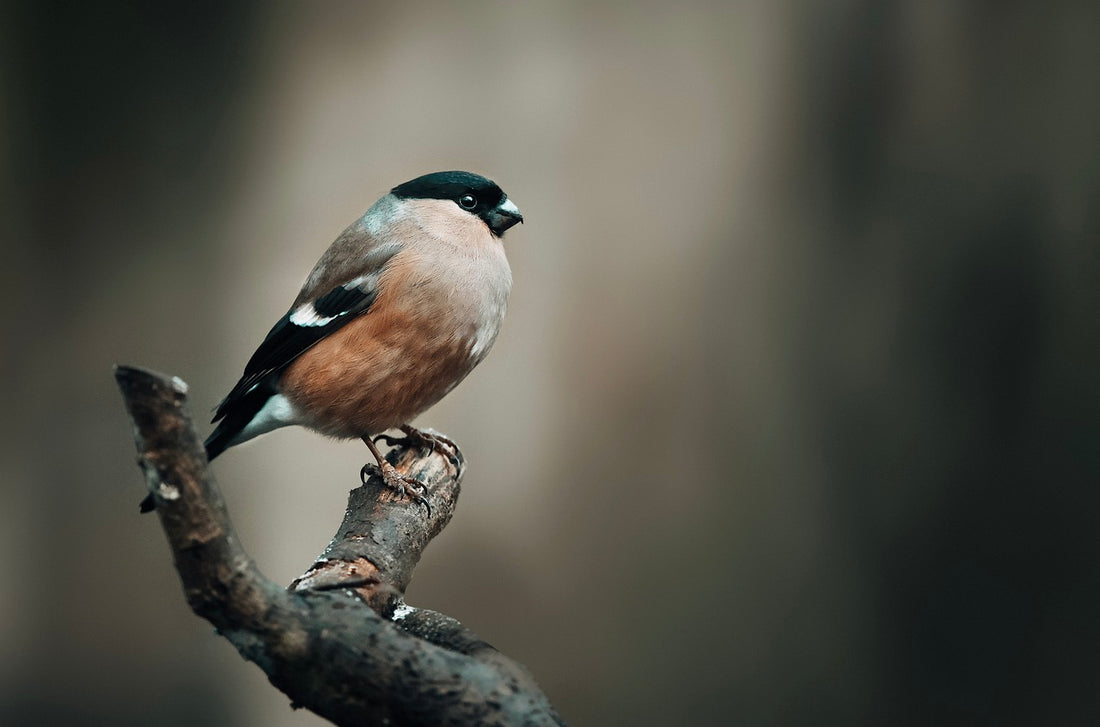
[420,439]
[389,439]
[409,487]
[434,442]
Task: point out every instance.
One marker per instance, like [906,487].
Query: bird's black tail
[218,441]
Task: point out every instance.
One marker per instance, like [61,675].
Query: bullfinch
[398,310]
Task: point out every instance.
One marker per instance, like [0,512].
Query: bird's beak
[503,216]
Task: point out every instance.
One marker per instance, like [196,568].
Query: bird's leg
[405,486]
[435,442]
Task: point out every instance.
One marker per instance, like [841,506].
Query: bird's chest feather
[432,323]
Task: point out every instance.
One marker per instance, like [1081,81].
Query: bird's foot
[420,439]
[409,487]
[434,442]
[389,439]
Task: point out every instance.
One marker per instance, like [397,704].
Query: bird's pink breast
[381,370]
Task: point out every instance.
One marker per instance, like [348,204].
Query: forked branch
[340,641]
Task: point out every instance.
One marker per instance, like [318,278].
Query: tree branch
[340,641]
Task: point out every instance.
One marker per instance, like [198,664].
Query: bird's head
[473,193]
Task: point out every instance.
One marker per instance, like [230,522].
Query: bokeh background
[795,418]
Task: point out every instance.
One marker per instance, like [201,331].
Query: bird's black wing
[302,328]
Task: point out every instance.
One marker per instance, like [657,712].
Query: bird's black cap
[450,185]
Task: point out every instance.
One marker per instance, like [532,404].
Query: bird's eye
[467,201]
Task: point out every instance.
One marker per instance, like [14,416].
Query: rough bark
[340,641]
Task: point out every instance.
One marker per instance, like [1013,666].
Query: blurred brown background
[795,418]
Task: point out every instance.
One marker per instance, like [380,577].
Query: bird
[396,312]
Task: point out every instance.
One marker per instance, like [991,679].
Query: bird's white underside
[276,412]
